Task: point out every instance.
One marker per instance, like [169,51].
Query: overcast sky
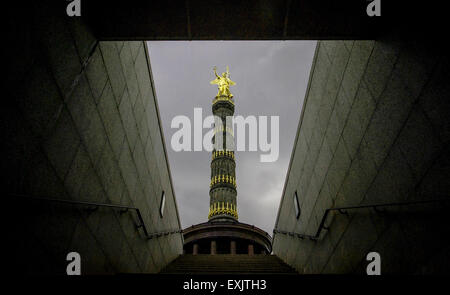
[271,79]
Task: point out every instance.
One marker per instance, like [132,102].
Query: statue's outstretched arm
[215,73]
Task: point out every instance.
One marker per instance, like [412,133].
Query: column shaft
[213,248]
[195,249]
[233,247]
[250,249]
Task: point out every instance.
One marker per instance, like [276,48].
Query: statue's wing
[215,81]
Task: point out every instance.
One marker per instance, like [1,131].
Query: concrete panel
[112,121]
[333,132]
[152,166]
[127,261]
[138,112]
[303,248]
[139,160]
[419,228]
[326,107]
[339,63]
[390,185]
[367,164]
[323,61]
[318,256]
[315,145]
[337,263]
[87,119]
[83,38]
[354,187]
[127,168]
[150,214]
[323,202]
[414,66]
[91,189]
[119,45]
[308,204]
[296,168]
[110,176]
[330,48]
[85,243]
[39,99]
[308,121]
[142,72]
[349,44]
[96,74]
[332,86]
[137,242]
[143,129]
[43,179]
[338,168]
[60,51]
[78,170]
[155,250]
[391,250]
[380,65]
[358,119]
[112,245]
[290,255]
[113,64]
[356,66]
[162,163]
[62,144]
[48,220]
[388,118]
[435,183]
[343,106]
[130,75]
[433,101]
[323,162]
[135,46]
[128,120]
[357,240]
[419,143]
[22,148]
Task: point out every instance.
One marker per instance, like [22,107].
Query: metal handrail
[342,210]
[112,206]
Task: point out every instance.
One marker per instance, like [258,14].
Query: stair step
[228,263]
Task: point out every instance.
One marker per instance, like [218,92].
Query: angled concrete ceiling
[248,20]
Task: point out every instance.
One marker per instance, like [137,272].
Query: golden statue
[223,82]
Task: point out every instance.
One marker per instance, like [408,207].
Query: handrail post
[142,224]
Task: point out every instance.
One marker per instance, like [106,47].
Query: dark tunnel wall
[82,124]
[374,130]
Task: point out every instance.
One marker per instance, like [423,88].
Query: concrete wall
[82,123]
[374,129]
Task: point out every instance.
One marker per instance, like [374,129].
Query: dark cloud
[271,78]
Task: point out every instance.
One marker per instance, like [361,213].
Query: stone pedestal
[229,238]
